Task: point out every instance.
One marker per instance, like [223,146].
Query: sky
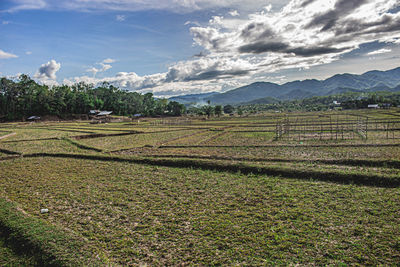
[175,47]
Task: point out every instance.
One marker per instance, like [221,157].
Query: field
[271,189]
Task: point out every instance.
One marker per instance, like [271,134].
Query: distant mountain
[247,93]
[340,83]
[265,100]
[193,98]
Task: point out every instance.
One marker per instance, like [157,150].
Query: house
[94,112]
[33,118]
[336,103]
[373,106]
[103,113]
[101,117]
[386,105]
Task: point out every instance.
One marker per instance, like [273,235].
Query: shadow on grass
[337,177]
[348,162]
[22,247]
[81,146]
[9,152]
[48,245]
[281,146]
[61,130]
[32,140]
[94,135]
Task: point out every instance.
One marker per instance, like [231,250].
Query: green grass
[217,192]
[28,240]
[134,140]
[9,257]
[162,215]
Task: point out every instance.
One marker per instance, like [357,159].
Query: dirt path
[7,135]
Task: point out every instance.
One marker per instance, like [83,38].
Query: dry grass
[219,192]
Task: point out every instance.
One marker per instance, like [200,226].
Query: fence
[330,128]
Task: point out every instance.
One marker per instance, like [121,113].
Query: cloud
[28,5]
[47,72]
[234,13]
[120,17]
[329,18]
[108,60]
[380,51]
[28,53]
[236,51]
[331,29]
[5,22]
[177,6]
[192,22]
[103,66]
[5,55]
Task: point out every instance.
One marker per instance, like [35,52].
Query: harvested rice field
[271,189]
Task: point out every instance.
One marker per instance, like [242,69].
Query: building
[33,118]
[101,117]
[373,106]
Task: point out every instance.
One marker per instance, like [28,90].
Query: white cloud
[28,5]
[104,65]
[192,22]
[380,51]
[234,13]
[303,34]
[5,22]
[178,6]
[47,72]
[5,55]
[108,60]
[28,53]
[120,17]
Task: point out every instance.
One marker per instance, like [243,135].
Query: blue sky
[191,46]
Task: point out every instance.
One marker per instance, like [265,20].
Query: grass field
[224,191]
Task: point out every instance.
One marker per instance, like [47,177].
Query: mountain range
[266,92]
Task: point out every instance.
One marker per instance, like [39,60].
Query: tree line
[24,97]
[349,100]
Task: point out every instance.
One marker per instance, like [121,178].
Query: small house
[94,112]
[33,118]
[102,117]
[373,106]
[103,113]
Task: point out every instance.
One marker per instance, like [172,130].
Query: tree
[228,109]
[208,110]
[175,109]
[218,110]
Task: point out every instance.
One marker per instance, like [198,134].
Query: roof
[103,113]
[34,118]
[137,115]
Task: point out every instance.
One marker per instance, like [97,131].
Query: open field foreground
[301,188]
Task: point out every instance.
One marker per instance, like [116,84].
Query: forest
[348,100]
[24,97]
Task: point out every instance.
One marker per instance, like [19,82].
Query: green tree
[228,109]
[218,110]
[175,109]
[208,110]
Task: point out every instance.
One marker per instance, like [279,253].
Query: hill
[339,83]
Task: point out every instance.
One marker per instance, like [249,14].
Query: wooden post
[320,133]
[387,131]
